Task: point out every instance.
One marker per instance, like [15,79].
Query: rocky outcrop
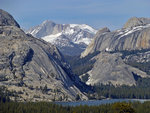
[110,68]
[134,21]
[33,68]
[134,38]
[103,30]
[7,19]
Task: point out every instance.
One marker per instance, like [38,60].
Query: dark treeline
[139,91]
[46,107]
[7,106]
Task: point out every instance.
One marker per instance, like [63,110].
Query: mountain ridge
[121,40]
[67,37]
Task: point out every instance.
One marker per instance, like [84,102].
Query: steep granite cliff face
[136,37]
[33,68]
[90,48]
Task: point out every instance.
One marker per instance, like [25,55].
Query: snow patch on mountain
[131,30]
[84,27]
[51,38]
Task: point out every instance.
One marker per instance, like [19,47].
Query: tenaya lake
[99,102]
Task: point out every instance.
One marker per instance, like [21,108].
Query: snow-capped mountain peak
[47,21]
[67,37]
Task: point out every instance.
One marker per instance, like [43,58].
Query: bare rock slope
[33,68]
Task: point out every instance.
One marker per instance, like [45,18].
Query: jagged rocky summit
[32,68]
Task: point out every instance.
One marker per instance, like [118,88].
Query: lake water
[99,102]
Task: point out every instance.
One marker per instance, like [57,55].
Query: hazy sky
[97,13]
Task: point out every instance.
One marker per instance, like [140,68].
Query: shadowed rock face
[33,67]
[131,38]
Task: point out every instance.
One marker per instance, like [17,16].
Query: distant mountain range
[71,39]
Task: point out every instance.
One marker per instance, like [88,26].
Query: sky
[96,13]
